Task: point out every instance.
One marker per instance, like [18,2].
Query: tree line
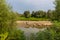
[51,14]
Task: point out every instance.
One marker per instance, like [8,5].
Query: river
[28,32]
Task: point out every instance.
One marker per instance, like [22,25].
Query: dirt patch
[38,24]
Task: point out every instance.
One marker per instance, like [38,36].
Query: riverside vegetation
[9,31]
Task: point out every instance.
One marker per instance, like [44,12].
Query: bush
[16,35]
[52,33]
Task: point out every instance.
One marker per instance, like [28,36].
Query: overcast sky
[31,5]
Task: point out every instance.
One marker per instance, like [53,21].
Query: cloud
[22,5]
[37,2]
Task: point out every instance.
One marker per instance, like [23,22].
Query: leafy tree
[27,14]
[4,16]
[57,3]
[33,14]
[38,14]
[7,22]
[48,13]
[51,14]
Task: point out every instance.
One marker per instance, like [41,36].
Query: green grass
[32,19]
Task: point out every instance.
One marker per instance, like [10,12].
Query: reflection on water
[30,31]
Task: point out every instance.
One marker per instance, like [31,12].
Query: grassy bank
[32,19]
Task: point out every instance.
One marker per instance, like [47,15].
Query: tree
[57,8]
[33,14]
[48,13]
[51,14]
[4,16]
[39,14]
[7,22]
[27,14]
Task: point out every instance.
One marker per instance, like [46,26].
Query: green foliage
[38,14]
[44,35]
[57,3]
[33,14]
[7,17]
[16,35]
[51,14]
[52,33]
[27,14]
[3,36]
[7,23]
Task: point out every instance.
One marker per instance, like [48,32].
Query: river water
[28,32]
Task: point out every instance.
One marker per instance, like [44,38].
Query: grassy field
[32,19]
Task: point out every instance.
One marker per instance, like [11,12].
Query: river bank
[37,24]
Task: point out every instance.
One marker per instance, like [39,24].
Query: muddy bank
[37,24]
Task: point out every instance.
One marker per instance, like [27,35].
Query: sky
[32,5]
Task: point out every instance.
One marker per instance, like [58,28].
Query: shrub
[16,35]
